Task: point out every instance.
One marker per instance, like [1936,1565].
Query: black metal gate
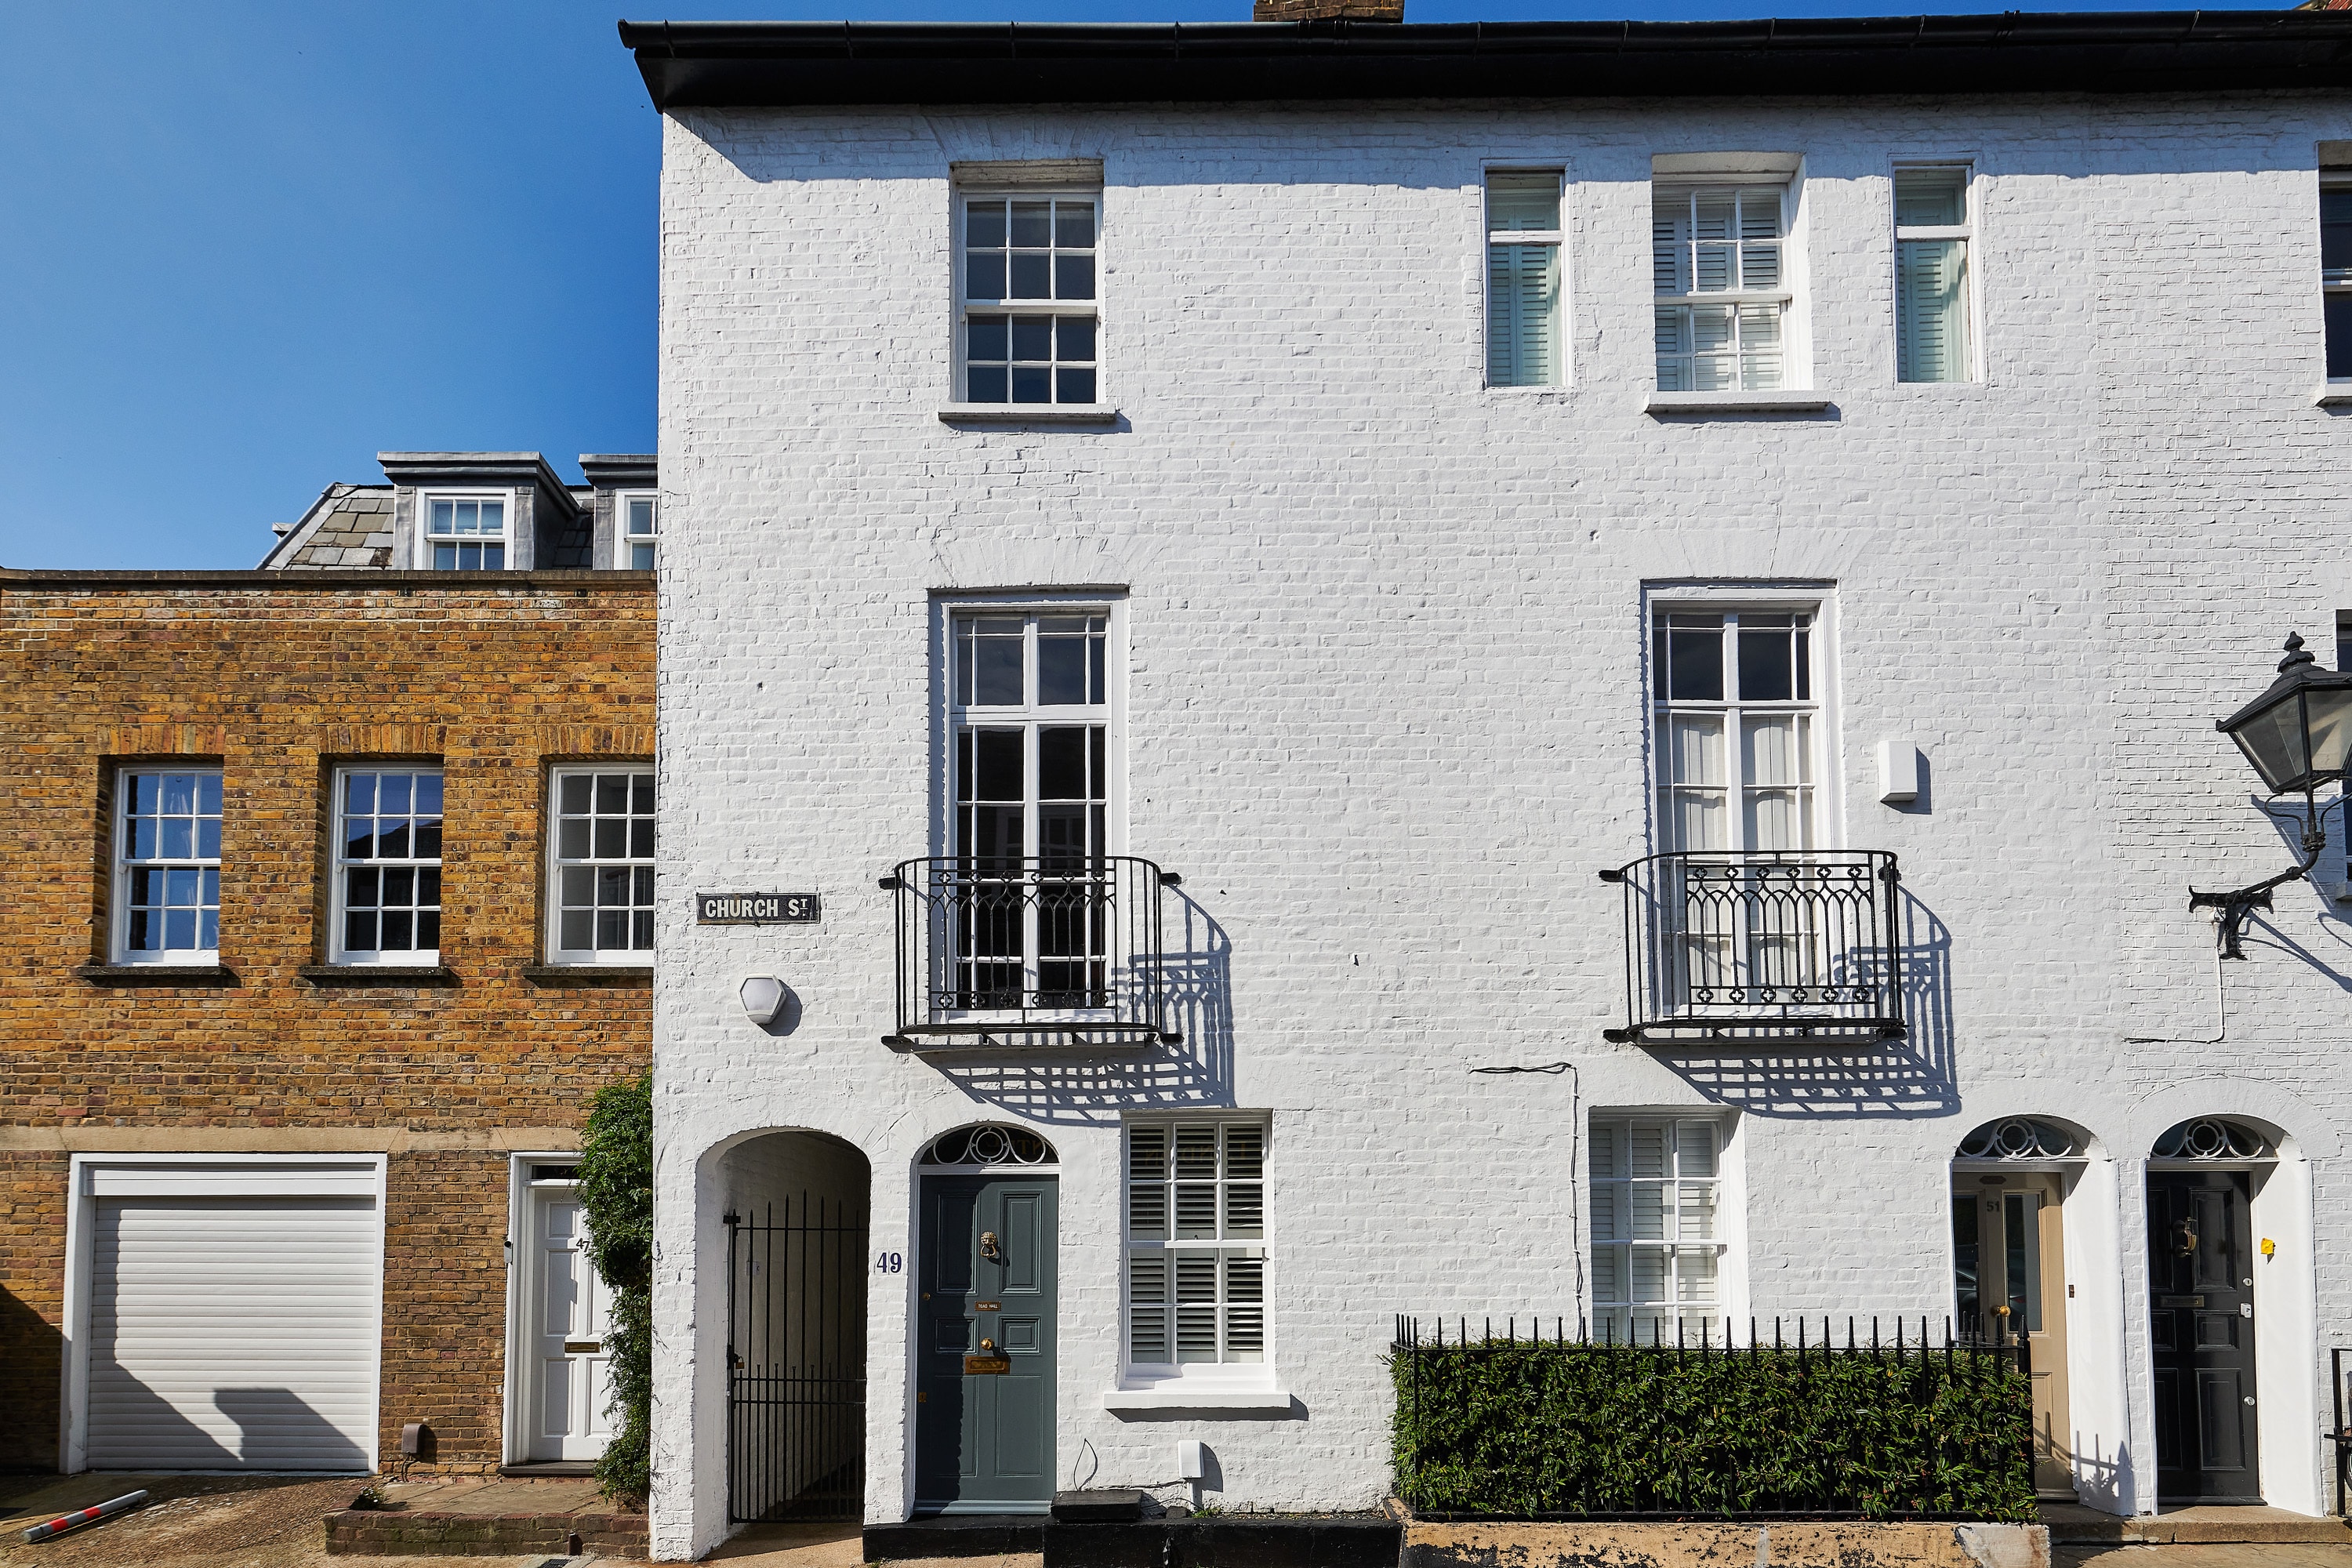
[796,1362]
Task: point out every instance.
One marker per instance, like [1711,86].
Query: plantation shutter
[1195,1189]
[1523,279]
[1931,316]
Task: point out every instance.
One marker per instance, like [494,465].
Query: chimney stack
[1328,11]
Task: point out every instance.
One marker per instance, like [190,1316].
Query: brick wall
[278,678]
[1386,703]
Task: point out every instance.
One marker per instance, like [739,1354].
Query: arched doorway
[2202,1179]
[988,1296]
[2009,1180]
[796,1219]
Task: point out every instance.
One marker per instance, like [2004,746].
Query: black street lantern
[2298,735]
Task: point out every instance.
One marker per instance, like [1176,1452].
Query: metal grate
[796,1362]
[1064,947]
[1725,947]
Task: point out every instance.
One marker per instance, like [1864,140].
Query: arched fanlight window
[2016,1138]
[988,1145]
[2213,1138]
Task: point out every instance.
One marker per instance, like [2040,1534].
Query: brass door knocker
[988,1247]
[988,1344]
[2184,1239]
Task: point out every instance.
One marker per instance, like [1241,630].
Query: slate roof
[348,525]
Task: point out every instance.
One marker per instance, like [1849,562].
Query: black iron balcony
[1730,948]
[1038,950]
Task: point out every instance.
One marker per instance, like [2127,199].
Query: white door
[233,1332]
[566,1324]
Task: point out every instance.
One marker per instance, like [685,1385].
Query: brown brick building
[328,907]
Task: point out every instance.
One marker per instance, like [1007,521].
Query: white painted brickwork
[1385,710]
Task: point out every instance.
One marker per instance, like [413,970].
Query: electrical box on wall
[1899,772]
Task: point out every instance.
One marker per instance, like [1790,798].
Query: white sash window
[1721,280]
[1656,1253]
[1195,1244]
[1931,275]
[1523,292]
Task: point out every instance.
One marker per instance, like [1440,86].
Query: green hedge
[616,1196]
[1516,1428]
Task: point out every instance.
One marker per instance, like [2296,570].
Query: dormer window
[466,533]
[641,531]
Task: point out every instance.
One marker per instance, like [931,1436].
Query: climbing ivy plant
[616,1196]
[1516,1428]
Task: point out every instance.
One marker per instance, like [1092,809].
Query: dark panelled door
[984,1346]
[2200,1279]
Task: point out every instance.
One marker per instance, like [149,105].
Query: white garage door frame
[198,1175]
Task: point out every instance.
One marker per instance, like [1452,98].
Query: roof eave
[816,64]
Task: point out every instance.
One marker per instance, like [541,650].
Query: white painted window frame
[1111,714]
[553,864]
[81,1232]
[1488,237]
[337,953]
[1787,298]
[1965,165]
[2333,179]
[426,537]
[624,543]
[119,949]
[1238,1377]
[1819,601]
[1729,1244]
[965,306]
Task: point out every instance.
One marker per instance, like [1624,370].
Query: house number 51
[888,1263]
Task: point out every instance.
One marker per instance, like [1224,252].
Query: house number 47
[888,1263]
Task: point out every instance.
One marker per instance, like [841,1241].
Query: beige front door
[2009,1257]
[564,1333]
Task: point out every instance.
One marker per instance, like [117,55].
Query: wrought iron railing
[1723,948]
[1036,947]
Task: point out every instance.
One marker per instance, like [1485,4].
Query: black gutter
[784,64]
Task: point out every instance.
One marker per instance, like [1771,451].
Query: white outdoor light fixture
[763,998]
[1898,772]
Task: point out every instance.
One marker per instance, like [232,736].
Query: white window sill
[1029,413]
[169,958]
[2333,394]
[1735,403]
[1181,1394]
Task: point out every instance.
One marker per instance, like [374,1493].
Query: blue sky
[251,245]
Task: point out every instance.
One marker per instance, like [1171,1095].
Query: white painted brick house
[2004,450]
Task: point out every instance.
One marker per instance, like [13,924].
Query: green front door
[984,1346]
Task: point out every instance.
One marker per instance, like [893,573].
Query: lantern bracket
[2237,905]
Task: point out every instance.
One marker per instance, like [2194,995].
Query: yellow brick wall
[277,680]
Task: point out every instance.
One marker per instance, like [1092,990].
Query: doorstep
[1202,1541]
[2211,1525]
[479,1516]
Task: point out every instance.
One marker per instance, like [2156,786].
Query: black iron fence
[1040,946]
[1538,1418]
[1725,947]
[796,1362]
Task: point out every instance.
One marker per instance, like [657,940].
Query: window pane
[1930,197]
[983,276]
[1931,325]
[1032,277]
[984,223]
[1523,201]
[641,557]
[1522,315]
[1073,223]
[1031,223]
[1032,337]
[1766,672]
[986,384]
[1061,671]
[1033,386]
[1073,276]
[1000,766]
[984,337]
[1694,654]
[641,515]
[1075,338]
[1074,386]
[2338,317]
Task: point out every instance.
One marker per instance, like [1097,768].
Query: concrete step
[2209,1525]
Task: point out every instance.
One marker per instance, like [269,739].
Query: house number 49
[888,1263]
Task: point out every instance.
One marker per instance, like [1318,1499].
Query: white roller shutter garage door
[233,1318]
